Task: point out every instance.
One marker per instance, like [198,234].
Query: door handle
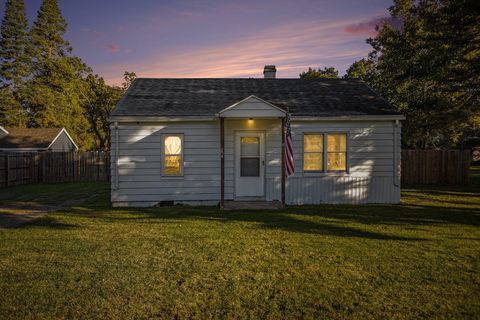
[263,163]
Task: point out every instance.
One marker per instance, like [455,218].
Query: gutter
[159,119]
[350,118]
[396,183]
[115,186]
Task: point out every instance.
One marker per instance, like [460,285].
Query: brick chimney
[269,72]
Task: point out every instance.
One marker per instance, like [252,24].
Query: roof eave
[141,118]
[23,149]
[350,118]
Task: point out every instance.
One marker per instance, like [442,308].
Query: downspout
[395,156]
[116,156]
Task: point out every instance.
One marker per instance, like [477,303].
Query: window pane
[250,146]
[313,143]
[250,167]
[337,161]
[172,165]
[337,142]
[173,145]
[313,161]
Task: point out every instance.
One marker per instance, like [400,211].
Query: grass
[420,259]
[49,194]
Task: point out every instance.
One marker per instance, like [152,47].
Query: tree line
[425,61]
[43,84]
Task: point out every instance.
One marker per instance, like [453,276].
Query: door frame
[236,163]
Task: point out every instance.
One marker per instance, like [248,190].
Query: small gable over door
[252,107]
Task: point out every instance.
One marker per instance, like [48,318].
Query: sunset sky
[183,38]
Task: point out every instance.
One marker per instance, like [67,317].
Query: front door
[249,164]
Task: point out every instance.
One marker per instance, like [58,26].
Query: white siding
[252,108]
[370,178]
[370,158]
[62,144]
[140,180]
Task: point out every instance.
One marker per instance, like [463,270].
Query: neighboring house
[205,141]
[36,139]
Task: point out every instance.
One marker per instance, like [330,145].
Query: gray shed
[36,139]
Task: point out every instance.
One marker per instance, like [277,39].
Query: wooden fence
[435,166]
[50,167]
[418,167]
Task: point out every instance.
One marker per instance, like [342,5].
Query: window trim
[325,170]
[163,155]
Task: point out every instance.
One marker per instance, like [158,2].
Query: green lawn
[420,259]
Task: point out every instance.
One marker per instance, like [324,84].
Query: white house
[211,141]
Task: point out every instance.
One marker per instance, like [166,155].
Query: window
[337,152]
[249,156]
[313,152]
[335,159]
[172,155]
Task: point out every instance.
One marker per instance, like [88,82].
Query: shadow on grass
[292,219]
[330,220]
[50,222]
[9,221]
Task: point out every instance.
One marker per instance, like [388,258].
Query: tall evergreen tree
[55,93]
[48,32]
[14,61]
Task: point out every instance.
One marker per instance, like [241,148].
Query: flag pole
[283,162]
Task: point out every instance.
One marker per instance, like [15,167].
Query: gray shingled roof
[206,97]
[35,138]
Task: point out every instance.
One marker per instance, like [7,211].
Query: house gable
[252,107]
[63,142]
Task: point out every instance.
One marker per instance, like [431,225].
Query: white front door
[249,164]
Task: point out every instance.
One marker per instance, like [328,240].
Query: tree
[11,112]
[363,69]
[14,61]
[100,101]
[54,94]
[329,72]
[128,78]
[47,35]
[429,69]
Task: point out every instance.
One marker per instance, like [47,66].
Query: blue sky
[203,38]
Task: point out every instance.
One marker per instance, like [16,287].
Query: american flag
[289,163]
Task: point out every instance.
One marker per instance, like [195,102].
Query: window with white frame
[172,155]
[317,159]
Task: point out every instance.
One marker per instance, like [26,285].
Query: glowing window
[314,157]
[172,155]
[337,152]
[313,152]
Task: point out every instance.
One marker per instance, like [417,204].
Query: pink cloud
[368,27]
[112,48]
